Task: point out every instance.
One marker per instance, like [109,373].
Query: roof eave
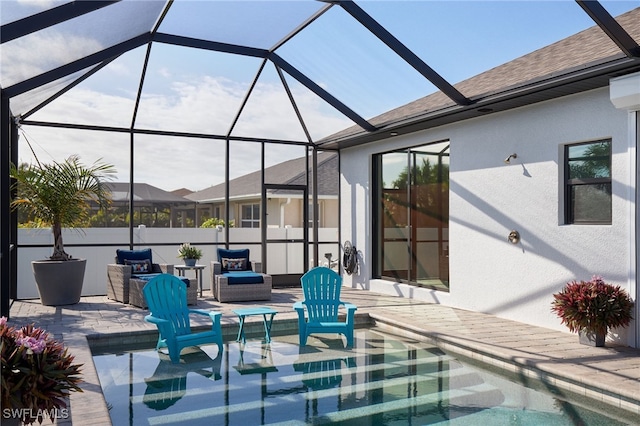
[575,81]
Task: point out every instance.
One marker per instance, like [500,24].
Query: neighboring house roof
[291,172]
[144,193]
[181,192]
[583,61]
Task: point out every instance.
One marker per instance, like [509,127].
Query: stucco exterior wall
[489,198]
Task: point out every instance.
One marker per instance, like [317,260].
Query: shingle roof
[181,192]
[290,172]
[577,53]
[144,193]
[328,176]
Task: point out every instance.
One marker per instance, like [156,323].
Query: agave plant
[592,306]
[59,194]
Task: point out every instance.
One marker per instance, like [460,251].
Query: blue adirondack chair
[321,287]
[166,296]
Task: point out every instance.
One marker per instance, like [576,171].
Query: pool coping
[89,407]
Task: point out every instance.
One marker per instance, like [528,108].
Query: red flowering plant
[593,306]
[38,374]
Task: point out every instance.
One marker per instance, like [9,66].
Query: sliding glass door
[412,215]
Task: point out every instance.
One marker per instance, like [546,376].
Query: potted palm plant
[591,308]
[60,195]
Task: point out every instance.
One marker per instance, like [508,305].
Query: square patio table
[199,269]
[246,312]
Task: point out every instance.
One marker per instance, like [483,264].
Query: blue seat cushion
[148,277]
[133,255]
[243,277]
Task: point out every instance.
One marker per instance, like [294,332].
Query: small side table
[198,271]
[246,312]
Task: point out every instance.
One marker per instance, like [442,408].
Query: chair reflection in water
[324,374]
[321,287]
[169,381]
[166,296]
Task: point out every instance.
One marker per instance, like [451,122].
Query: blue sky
[198,91]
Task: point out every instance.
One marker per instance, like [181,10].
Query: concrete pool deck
[610,375]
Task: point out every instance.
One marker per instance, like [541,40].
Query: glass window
[588,182]
[250,216]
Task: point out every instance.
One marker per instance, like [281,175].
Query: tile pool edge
[89,406]
[548,373]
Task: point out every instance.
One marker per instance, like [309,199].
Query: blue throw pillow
[133,255]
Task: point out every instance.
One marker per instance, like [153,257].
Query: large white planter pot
[59,282]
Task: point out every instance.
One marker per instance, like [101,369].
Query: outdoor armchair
[235,278]
[131,271]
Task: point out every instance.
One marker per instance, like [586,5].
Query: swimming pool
[383,380]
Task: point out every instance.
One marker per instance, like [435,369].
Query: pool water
[382,380]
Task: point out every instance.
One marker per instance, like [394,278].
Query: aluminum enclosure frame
[465,107]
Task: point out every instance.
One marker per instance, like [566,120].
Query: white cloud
[42,4]
[206,105]
[118,69]
[42,51]
[164,72]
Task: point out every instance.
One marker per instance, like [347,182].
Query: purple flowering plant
[38,373]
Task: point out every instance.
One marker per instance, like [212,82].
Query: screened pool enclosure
[240,108]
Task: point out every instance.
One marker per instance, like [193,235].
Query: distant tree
[422,174]
[119,218]
[213,222]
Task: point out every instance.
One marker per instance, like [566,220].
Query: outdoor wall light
[508,159]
